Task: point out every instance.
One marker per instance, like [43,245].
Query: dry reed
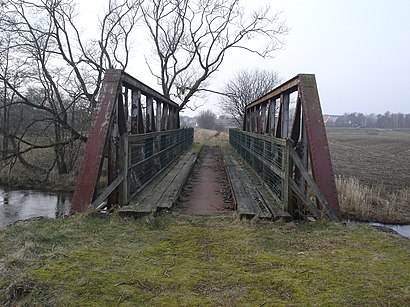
[373,203]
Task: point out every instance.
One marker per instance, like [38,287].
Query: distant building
[330,120]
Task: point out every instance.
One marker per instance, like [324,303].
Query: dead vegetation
[361,202]
[372,172]
[210,137]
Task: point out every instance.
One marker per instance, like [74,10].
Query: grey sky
[358,49]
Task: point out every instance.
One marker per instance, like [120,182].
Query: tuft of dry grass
[373,203]
[210,137]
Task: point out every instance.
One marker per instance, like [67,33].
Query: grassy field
[178,260]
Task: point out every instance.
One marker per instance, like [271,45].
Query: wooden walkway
[163,192]
[251,197]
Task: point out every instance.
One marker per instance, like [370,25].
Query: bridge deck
[163,192]
[252,198]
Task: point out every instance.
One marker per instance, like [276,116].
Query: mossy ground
[179,260]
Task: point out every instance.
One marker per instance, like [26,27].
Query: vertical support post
[263,118]
[157,140]
[164,118]
[258,119]
[150,123]
[272,113]
[136,113]
[171,118]
[254,126]
[125,101]
[285,182]
[245,121]
[113,155]
[285,115]
[159,116]
[123,197]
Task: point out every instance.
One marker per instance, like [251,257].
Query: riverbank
[358,201]
[177,259]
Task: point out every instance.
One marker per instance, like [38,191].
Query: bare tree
[192,37]
[206,119]
[243,88]
[64,71]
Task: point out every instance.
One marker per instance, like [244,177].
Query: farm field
[373,156]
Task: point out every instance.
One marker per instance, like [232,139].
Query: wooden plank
[303,197]
[149,199]
[148,191]
[173,191]
[248,200]
[131,82]
[108,190]
[288,87]
[275,211]
[261,192]
[242,198]
[149,204]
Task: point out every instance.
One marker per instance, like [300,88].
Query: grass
[362,202]
[177,260]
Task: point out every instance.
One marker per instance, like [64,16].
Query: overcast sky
[359,51]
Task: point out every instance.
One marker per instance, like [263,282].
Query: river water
[403,230]
[18,205]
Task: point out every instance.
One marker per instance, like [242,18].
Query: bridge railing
[276,162]
[269,158]
[135,134]
[151,153]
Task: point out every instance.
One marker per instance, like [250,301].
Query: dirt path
[207,190]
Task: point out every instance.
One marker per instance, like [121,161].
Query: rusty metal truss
[125,107]
[292,111]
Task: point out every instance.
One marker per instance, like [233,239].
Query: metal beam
[287,87]
[145,89]
[92,161]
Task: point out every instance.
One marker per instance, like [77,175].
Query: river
[18,205]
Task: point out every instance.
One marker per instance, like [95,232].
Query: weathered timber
[107,191]
[163,192]
[250,201]
[269,202]
[180,175]
[266,199]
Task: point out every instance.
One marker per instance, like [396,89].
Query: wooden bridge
[137,157]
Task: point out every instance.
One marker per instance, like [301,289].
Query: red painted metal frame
[319,148]
[310,119]
[110,123]
[93,156]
